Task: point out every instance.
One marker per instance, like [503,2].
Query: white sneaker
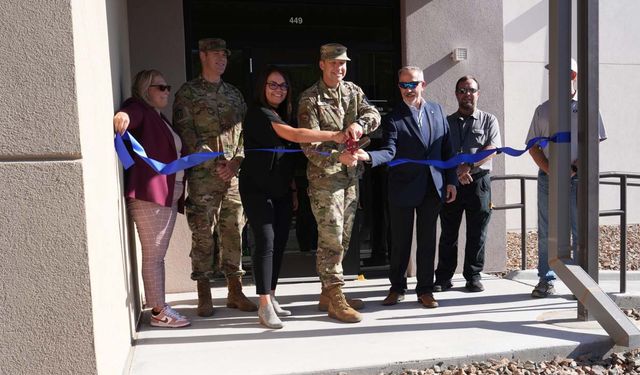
[168,318]
[276,307]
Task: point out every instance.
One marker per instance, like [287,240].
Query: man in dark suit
[416,129]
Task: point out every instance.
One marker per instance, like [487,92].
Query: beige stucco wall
[526,36]
[46,304]
[67,301]
[101,67]
[45,296]
[431,30]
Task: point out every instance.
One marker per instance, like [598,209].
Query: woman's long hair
[285,108]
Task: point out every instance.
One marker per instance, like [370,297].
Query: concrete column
[101,60]
[65,293]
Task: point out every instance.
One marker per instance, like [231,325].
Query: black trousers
[380,226]
[269,219]
[306,226]
[475,201]
[402,219]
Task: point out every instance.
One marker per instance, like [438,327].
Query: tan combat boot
[205,305]
[236,299]
[338,307]
[323,303]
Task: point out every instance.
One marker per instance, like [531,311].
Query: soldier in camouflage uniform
[334,104]
[208,113]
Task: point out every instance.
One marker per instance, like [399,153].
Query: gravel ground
[609,252]
[609,248]
[616,363]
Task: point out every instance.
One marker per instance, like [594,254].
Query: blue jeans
[544,271]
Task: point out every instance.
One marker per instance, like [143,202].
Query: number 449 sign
[295,20]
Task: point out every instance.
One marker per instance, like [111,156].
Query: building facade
[70,287]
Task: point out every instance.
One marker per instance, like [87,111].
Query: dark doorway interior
[289,33]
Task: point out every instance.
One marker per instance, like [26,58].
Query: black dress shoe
[474,286]
[393,298]
[442,286]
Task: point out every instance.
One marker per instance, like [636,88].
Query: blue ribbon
[200,157]
[160,167]
[176,165]
[561,137]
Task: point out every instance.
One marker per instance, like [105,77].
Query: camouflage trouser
[334,210]
[221,211]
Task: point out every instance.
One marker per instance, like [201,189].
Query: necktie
[422,124]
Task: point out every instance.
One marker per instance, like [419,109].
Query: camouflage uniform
[333,188]
[208,116]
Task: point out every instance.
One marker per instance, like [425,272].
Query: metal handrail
[622,212]
[523,210]
[623,182]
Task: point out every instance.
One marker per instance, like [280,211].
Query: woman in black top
[265,178]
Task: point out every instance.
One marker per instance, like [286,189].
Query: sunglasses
[162,87]
[463,91]
[408,85]
[274,86]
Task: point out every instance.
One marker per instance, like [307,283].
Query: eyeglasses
[409,85]
[162,87]
[274,86]
[464,91]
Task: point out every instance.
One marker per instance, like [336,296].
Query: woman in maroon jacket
[153,200]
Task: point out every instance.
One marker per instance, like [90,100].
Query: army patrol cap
[334,51]
[213,44]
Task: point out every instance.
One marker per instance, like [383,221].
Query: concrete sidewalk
[501,321]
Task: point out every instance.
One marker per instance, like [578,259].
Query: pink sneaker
[169,318]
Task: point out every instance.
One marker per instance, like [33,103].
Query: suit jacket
[403,140]
[142,182]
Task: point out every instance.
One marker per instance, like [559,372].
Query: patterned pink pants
[155,225]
